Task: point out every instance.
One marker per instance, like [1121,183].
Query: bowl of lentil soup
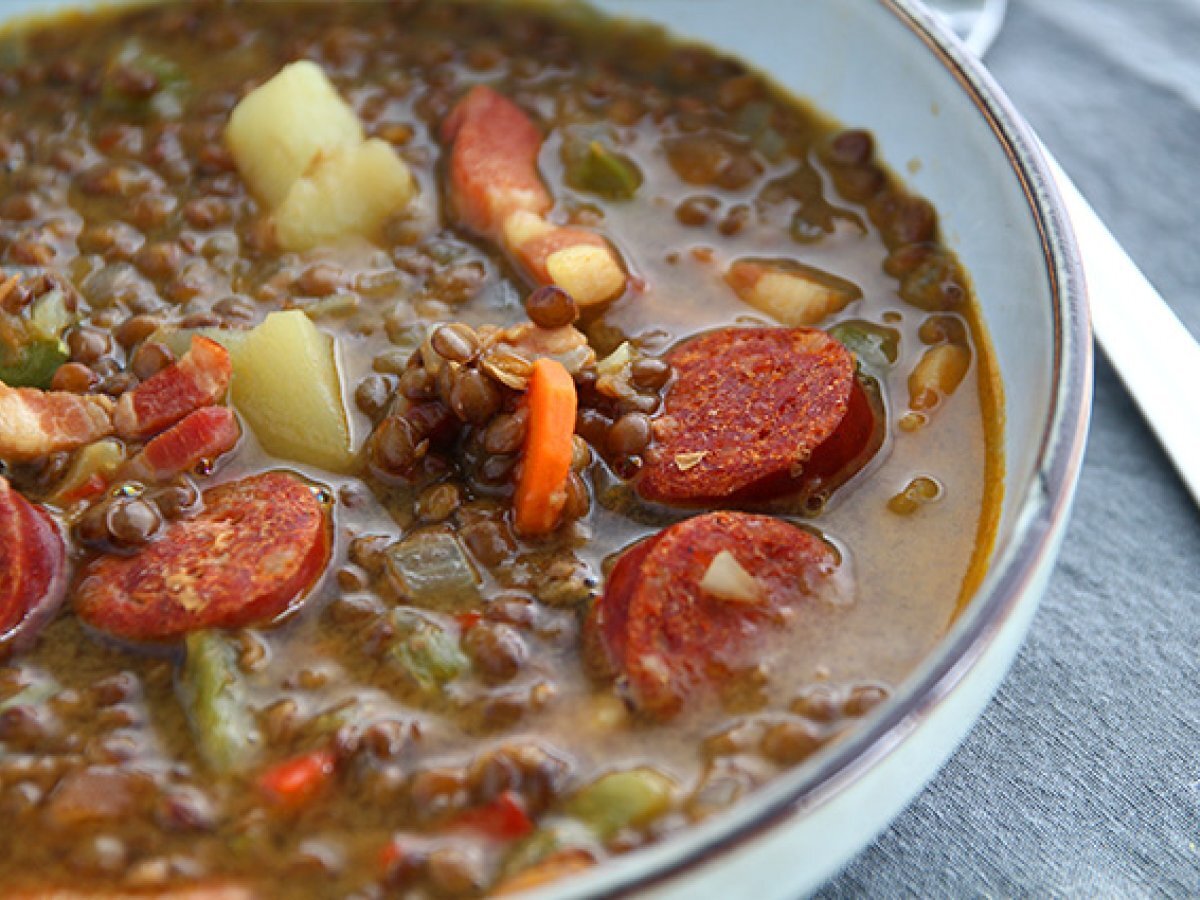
[457,449]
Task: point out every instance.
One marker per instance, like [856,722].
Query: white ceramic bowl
[887,66]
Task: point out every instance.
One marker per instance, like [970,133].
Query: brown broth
[401,66]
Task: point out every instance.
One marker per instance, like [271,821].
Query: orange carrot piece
[541,489]
[292,784]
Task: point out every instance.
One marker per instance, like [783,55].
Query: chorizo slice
[198,379]
[34,422]
[668,627]
[259,544]
[604,639]
[32,569]
[747,413]
[205,434]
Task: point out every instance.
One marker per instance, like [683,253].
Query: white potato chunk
[588,273]
[286,386]
[937,375]
[278,130]
[348,190]
[792,294]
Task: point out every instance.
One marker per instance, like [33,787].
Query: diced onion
[686,461]
[725,579]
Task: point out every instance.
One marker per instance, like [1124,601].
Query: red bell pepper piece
[295,783]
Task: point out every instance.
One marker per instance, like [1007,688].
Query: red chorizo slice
[205,434]
[605,636]
[856,439]
[32,568]
[669,636]
[258,545]
[493,160]
[747,410]
[199,379]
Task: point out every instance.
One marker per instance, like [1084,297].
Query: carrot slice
[541,489]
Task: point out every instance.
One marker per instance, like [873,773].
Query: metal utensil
[1153,352]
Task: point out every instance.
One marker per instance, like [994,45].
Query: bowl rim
[1039,516]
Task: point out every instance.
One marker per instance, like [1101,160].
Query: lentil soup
[444,446]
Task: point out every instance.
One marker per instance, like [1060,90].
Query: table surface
[1083,777]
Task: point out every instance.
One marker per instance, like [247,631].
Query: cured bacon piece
[34,422]
[670,634]
[199,379]
[497,191]
[259,544]
[579,261]
[205,434]
[32,569]
[493,161]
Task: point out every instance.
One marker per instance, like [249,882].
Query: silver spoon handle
[1152,351]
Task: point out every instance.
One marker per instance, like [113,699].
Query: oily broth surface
[907,570]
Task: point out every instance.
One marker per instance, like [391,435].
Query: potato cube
[278,129]
[791,293]
[588,273]
[286,385]
[348,190]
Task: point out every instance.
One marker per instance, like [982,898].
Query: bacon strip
[493,161]
[199,379]
[34,422]
[496,191]
[205,434]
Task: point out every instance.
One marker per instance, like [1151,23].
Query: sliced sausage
[748,414]
[671,634]
[32,569]
[259,544]
[199,379]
